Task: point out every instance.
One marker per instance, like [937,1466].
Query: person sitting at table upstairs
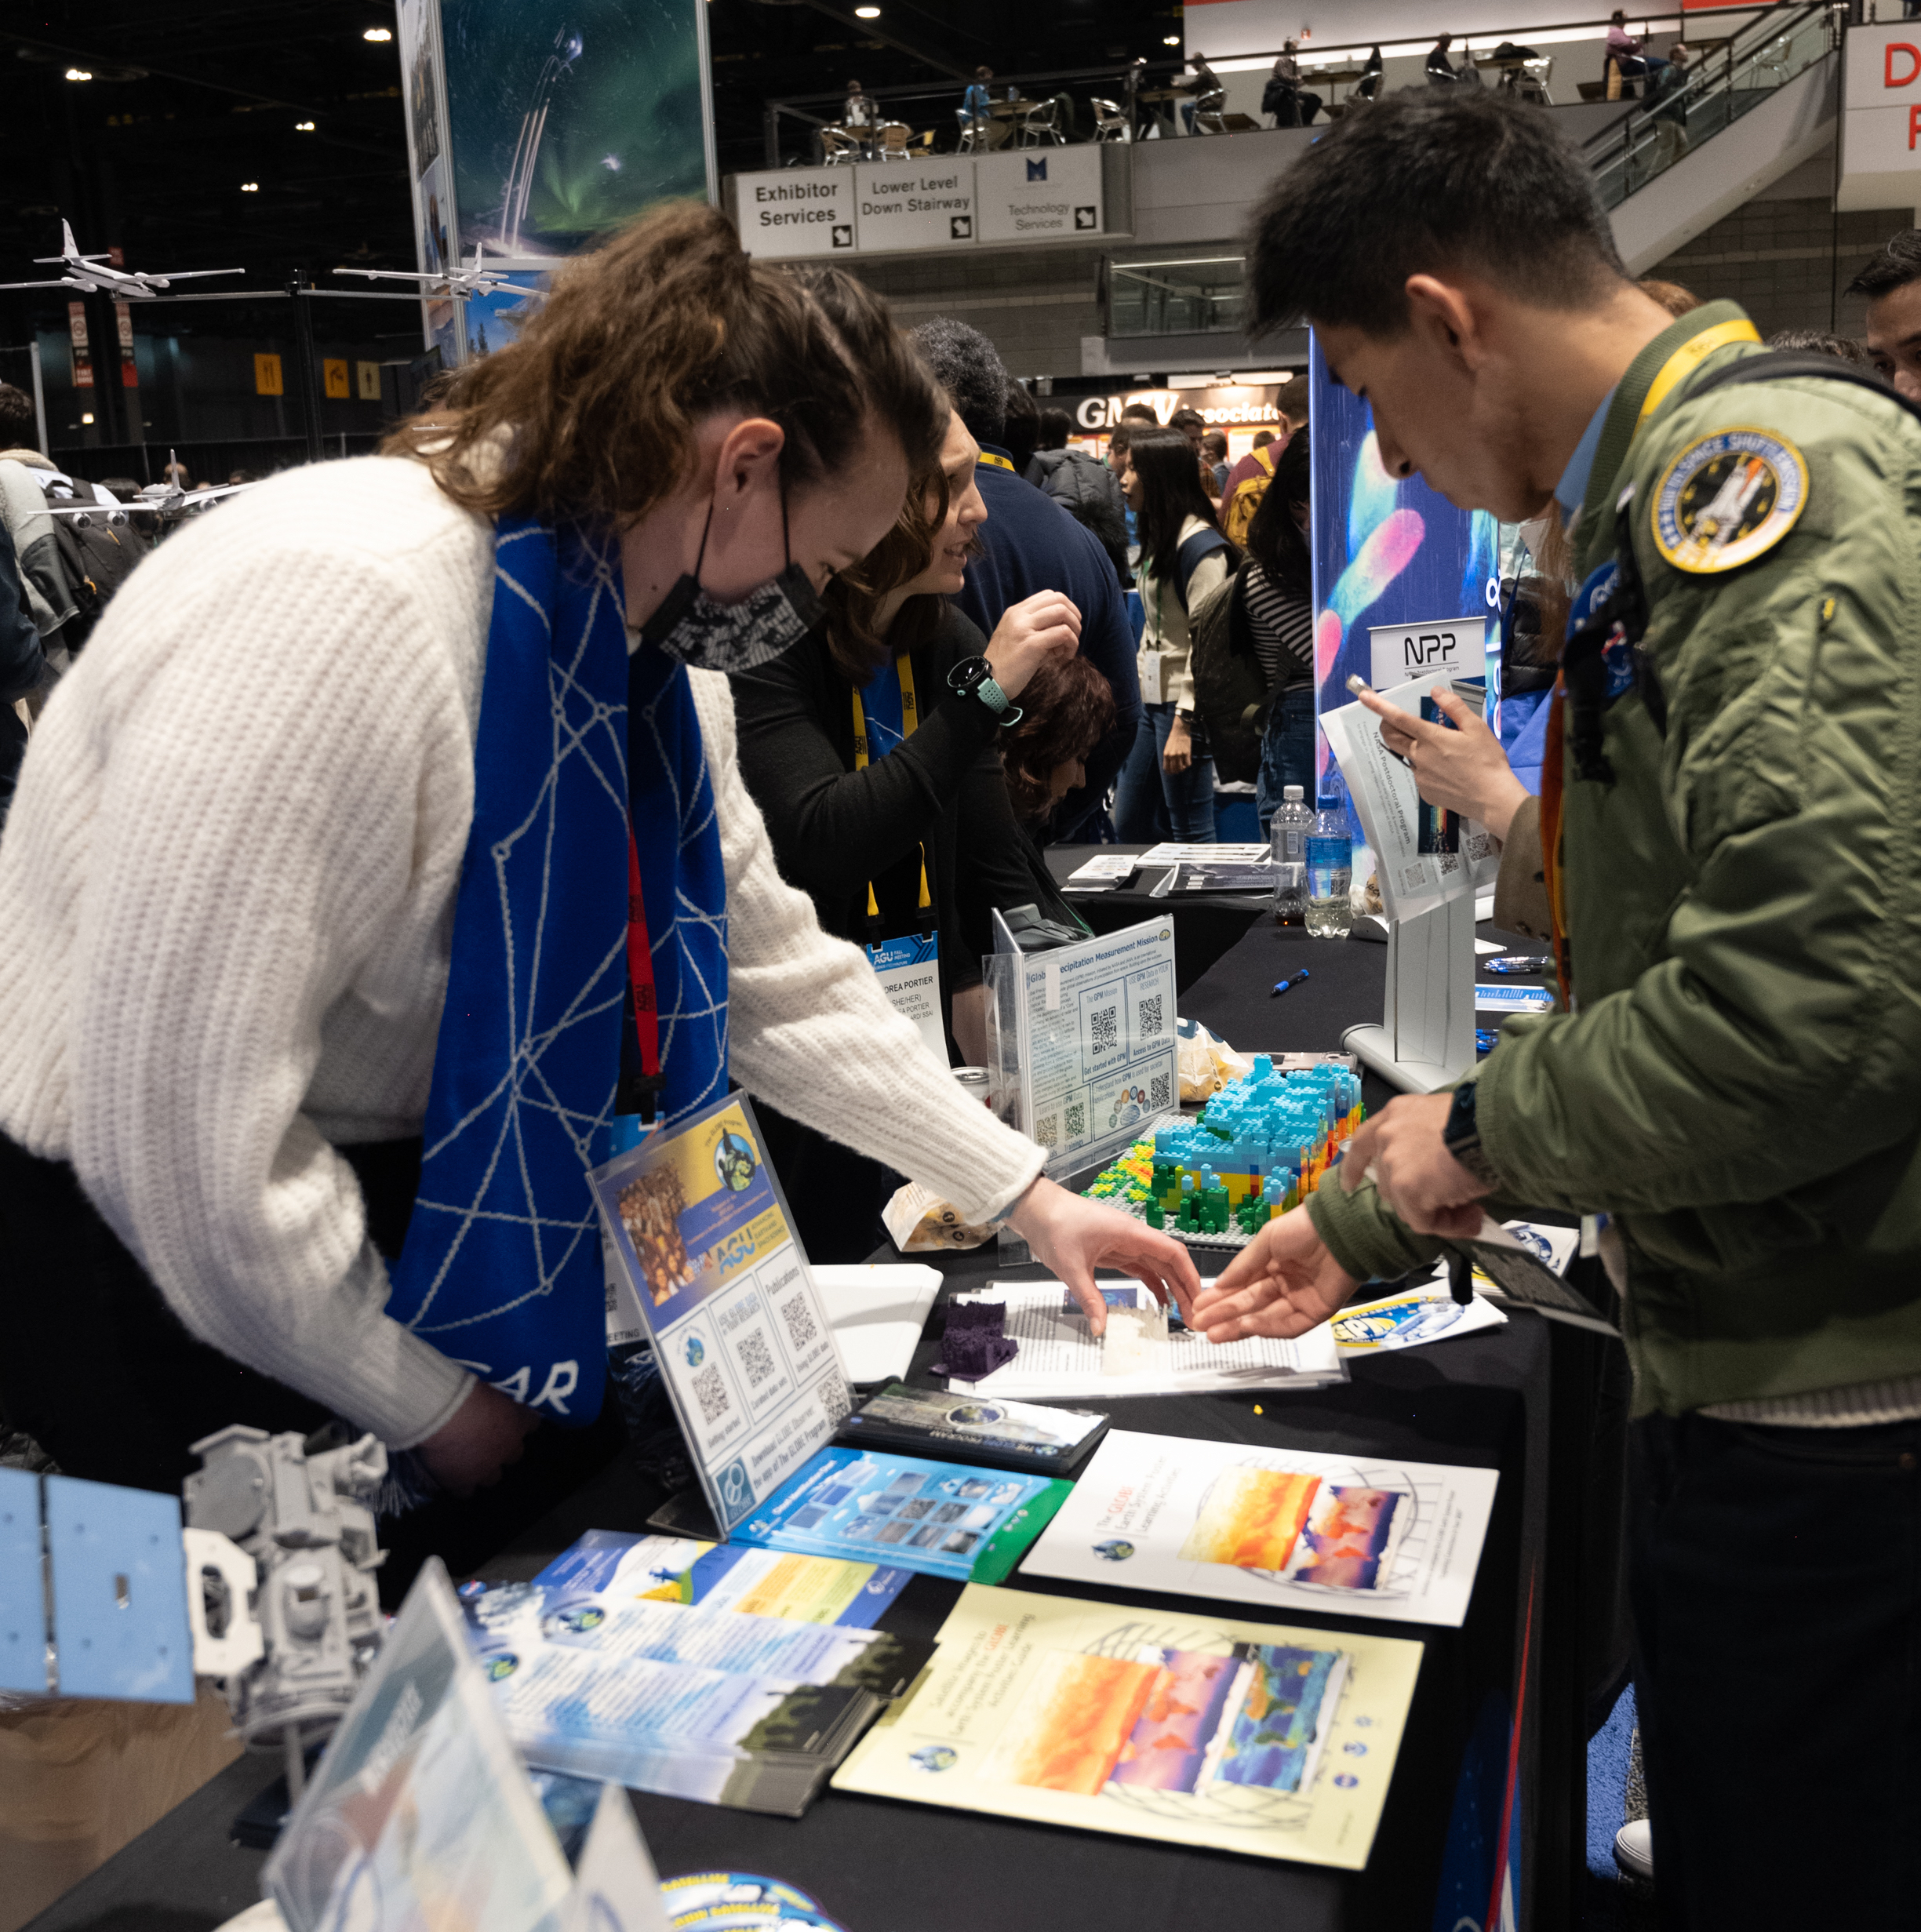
[977,106]
[1167,785]
[1625,52]
[1441,70]
[1028,544]
[873,762]
[1283,97]
[1207,89]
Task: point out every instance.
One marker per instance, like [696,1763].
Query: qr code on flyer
[799,1320]
[833,1393]
[1148,1018]
[756,1358]
[1077,1119]
[711,1392]
[1412,878]
[1104,1030]
[1047,1131]
[1160,1090]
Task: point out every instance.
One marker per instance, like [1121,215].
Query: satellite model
[165,499]
[92,275]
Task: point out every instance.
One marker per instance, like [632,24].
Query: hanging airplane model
[163,500]
[93,276]
[460,282]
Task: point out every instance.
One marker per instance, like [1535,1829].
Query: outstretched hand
[1074,1236]
[1283,1283]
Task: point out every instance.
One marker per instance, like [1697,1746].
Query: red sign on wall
[129,374]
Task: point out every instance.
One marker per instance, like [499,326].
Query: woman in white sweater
[1166,789]
[359,737]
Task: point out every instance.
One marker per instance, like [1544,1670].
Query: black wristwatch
[973,677]
[1462,1135]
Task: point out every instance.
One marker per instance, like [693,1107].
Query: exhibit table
[1534,1402]
[1207,924]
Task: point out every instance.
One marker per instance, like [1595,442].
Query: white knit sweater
[227,891]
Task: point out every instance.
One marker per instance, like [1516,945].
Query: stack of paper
[723,1707]
[877,1314]
[1061,1358]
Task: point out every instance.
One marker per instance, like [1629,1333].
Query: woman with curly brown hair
[376,804]
[870,748]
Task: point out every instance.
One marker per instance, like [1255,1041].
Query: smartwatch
[1461,1136]
[973,677]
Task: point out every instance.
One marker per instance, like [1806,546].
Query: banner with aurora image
[1385,552]
[564,119]
[1198,1730]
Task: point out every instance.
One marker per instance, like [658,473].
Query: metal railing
[934,102]
[1759,60]
[1197,296]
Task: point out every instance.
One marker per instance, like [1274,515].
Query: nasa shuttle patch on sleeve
[1727,499]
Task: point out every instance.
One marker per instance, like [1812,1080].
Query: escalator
[1760,104]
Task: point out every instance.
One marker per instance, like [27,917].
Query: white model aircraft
[468,279]
[165,500]
[92,275]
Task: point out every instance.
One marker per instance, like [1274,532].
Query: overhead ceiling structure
[200,133]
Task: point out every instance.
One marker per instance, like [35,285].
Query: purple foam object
[973,1345]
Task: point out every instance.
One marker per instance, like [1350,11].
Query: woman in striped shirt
[1276,586]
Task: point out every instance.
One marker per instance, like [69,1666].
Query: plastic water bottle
[1330,872]
[1287,841]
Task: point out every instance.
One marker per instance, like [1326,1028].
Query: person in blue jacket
[1029,543]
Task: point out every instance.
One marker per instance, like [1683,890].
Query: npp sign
[1881,118]
[1398,652]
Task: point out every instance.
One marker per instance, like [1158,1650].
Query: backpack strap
[1189,557]
[1777,363]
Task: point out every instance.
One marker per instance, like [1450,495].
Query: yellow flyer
[708,1269]
[1250,1737]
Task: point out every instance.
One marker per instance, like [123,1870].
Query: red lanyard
[640,973]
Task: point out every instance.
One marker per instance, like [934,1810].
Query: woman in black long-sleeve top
[936,792]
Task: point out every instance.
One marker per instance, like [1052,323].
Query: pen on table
[1285,984]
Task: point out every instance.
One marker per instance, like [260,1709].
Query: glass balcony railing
[1192,297]
[1767,53]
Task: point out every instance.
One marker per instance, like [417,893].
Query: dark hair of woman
[856,639]
[1171,492]
[595,405]
[1275,541]
[1056,425]
[1068,708]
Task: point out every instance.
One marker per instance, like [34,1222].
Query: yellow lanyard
[1681,364]
[909,717]
[999,463]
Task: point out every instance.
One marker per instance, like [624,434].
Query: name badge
[909,973]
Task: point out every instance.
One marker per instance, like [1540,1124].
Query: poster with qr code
[1084,1037]
[707,1269]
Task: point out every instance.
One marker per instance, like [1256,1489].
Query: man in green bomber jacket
[1737,1080]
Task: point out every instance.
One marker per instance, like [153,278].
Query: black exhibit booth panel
[1494,1746]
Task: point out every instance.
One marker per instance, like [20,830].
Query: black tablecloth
[1208,923]
[1521,1399]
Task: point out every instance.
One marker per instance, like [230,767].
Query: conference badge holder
[706,1267]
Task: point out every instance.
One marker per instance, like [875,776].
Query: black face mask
[692,628]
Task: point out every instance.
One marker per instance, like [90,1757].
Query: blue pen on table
[1285,984]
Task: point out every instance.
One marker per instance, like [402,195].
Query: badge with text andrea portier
[1727,499]
[707,1258]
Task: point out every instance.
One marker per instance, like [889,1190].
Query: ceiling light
[303,127]
[378,33]
[1170,40]
[87,416]
[867,13]
[249,188]
[78,74]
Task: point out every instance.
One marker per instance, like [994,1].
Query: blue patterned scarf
[501,1269]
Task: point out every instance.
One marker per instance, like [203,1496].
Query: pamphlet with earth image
[1194,1729]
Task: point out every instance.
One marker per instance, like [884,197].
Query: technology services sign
[1052,193]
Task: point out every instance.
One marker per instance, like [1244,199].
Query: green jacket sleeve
[1764,1028]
